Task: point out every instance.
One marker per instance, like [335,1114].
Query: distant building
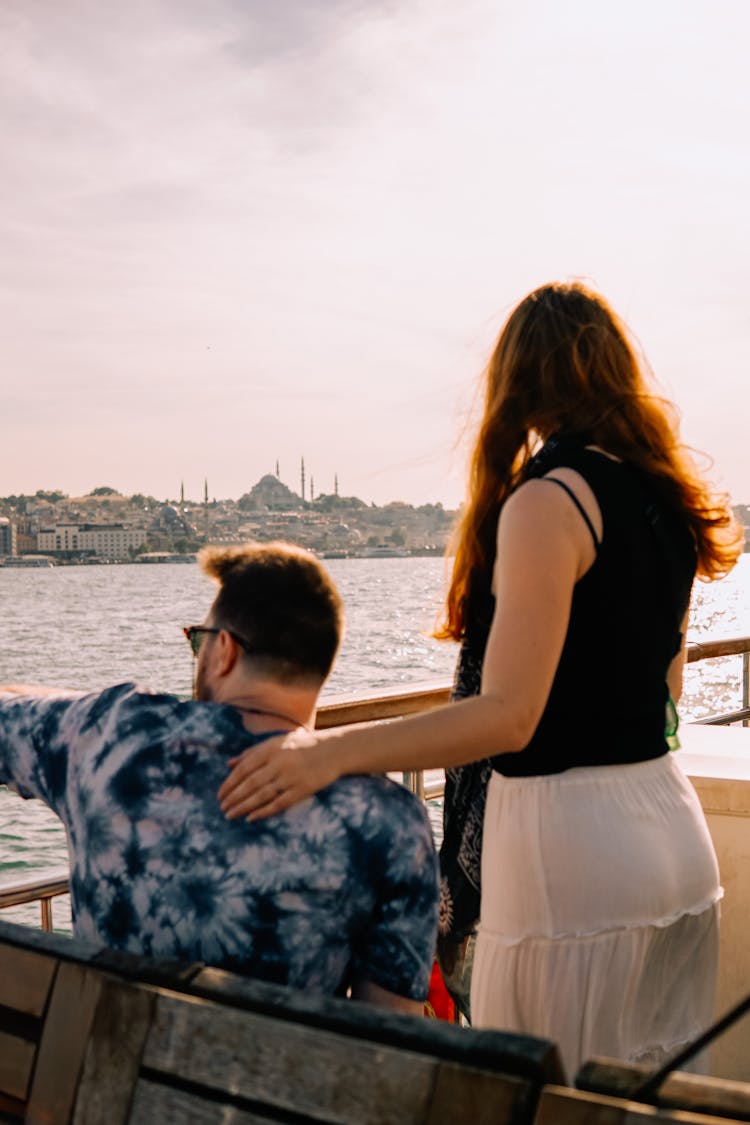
[26,542]
[742,512]
[271,495]
[105,540]
[170,521]
[7,537]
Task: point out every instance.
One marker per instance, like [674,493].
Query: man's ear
[227,653]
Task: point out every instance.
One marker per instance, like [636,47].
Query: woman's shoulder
[533,500]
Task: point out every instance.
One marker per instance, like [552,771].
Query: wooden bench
[608,1089]
[90,1036]
[563,1106]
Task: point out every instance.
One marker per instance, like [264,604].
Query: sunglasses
[196,633]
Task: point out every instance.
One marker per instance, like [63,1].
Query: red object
[439,1004]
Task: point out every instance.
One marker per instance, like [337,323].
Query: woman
[585,525]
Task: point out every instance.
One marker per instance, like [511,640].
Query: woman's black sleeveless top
[608,699]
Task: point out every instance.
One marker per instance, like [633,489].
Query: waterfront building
[7,537]
[105,540]
[25,542]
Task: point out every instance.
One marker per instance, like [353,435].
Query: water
[87,627]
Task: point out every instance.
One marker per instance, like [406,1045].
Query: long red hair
[563,364]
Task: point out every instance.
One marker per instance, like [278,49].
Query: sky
[241,232]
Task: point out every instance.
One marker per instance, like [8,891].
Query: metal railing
[42,888]
[383,707]
[732,646]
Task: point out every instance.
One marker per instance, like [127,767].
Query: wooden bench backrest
[192,1059]
[691,1092]
[26,981]
[118,1039]
[558,1106]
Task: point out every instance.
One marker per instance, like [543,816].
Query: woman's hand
[282,771]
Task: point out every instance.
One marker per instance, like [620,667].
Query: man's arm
[372,993]
[396,948]
[33,745]
[28,689]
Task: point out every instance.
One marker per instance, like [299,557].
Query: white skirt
[599,914]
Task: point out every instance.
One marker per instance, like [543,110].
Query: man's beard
[201,689]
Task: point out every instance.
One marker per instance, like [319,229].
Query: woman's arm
[674,675]
[543,547]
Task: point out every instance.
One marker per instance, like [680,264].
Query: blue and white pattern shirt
[341,887]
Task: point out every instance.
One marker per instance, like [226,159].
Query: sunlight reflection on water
[86,627]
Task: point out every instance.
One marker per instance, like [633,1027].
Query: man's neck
[259,720]
[271,707]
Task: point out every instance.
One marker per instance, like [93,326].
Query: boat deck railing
[42,888]
[383,707]
[733,646]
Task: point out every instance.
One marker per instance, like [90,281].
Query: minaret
[182,492]
[302,479]
[335,484]
[312,490]
[278,474]
[205,508]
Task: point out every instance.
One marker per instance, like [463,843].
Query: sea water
[89,626]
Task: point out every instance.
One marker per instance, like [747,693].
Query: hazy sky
[242,231]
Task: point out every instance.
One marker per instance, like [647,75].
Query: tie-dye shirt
[340,888]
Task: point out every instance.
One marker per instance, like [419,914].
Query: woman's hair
[563,364]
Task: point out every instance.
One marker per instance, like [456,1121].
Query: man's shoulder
[136,705]
[132,718]
[125,705]
[377,787]
[372,798]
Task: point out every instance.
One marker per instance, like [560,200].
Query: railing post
[413,780]
[46,905]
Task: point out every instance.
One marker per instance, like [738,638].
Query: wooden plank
[499,1051]
[16,1062]
[63,1044]
[704,650]
[25,980]
[343,710]
[559,1106]
[169,973]
[47,885]
[293,1068]
[693,1092]
[61,946]
[463,1093]
[11,1109]
[113,1057]
[156,1103]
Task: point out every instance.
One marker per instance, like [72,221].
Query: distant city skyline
[204,493]
[232,232]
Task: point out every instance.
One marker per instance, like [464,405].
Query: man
[339,893]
